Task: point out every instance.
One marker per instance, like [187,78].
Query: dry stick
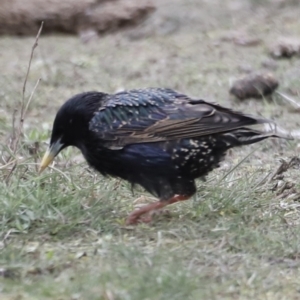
[286,97]
[24,107]
[13,137]
[8,164]
[25,111]
[31,95]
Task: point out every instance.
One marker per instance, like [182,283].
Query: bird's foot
[146,212]
[133,218]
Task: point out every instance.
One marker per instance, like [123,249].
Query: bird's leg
[136,216]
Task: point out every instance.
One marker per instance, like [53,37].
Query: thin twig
[17,132]
[10,173]
[6,236]
[288,98]
[29,66]
[23,105]
[284,166]
[7,164]
[30,98]
[13,134]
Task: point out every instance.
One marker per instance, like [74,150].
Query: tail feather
[279,132]
[247,136]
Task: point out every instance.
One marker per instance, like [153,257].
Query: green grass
[63,233]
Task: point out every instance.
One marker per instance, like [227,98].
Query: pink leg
[136,216]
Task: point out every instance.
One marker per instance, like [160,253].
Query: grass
[62,233]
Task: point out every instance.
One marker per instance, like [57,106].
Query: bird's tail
[247,136]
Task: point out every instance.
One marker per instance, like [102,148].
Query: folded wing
[153,115]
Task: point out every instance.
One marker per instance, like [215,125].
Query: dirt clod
[254,86]
[285,47]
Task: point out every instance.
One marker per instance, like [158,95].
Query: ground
[62,232]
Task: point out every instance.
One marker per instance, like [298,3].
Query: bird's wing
[152,115]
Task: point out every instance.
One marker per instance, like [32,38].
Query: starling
[155,137]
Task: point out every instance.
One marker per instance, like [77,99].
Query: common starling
[157,138]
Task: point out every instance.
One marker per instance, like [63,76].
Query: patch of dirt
[18,17]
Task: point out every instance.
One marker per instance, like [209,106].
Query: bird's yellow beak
[46,161]
[50,155]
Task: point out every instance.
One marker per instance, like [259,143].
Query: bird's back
[152,115]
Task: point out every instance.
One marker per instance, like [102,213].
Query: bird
[157,138]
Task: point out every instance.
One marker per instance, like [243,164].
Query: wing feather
[152,115]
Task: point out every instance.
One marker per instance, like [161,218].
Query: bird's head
[71,124]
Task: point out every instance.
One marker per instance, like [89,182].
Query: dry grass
[62,234]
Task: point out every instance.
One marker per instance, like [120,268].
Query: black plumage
[157,138]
